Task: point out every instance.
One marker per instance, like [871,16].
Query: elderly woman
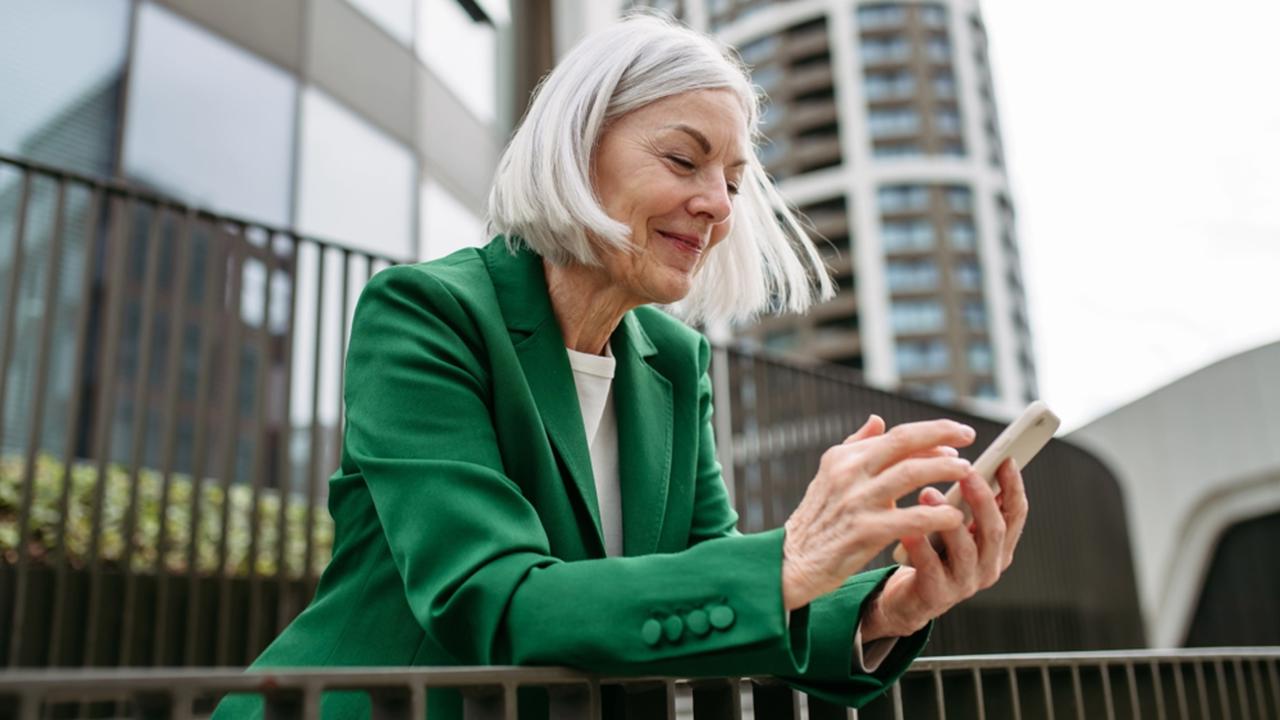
[529,474]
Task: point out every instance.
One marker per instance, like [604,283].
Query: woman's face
[669,171]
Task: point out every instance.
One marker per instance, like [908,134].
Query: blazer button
[651,632]
[721,617]
[673,628]
[697,622]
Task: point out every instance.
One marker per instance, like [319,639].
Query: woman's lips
[687,243]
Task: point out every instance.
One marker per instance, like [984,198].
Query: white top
[593,378]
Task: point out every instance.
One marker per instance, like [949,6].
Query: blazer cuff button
[651,632]
[721,617]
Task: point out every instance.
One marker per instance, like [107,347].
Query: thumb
[872,427]
[932,496]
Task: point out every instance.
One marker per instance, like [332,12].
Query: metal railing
[170,408]
[1238,683]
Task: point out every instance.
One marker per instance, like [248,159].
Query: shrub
[46,513]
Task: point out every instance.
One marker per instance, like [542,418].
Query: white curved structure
[1193,458]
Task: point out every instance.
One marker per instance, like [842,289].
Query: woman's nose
[712,201]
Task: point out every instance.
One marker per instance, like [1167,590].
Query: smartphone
[1021,440]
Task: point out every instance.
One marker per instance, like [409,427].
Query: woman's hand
[976,556]
[849,514]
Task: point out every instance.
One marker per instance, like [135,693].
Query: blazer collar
[642,398]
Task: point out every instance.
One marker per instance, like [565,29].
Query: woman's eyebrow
[701,139]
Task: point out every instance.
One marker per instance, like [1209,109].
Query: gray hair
[542,193]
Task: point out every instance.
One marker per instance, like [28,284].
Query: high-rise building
[882,128]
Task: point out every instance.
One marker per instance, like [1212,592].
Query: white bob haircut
[543,196]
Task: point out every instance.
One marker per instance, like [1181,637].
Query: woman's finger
[989,528]
[940,451]
[1013,506]
[917,520]
[962,551]
[907,439]
[872,427]
[914,473]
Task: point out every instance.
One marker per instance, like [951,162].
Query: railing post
[717,700]
[650,700]
[398,703]
[774,700]
[489,703]
[575,702]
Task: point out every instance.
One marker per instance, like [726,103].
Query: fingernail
[948,450]
[968,432]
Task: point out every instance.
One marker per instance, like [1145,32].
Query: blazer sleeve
[832,619]
[471,551]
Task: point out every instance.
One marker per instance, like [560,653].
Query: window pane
[968,276]
[208,121]
[916,316]
[912,276]
[461,52]
[446,224]
[357,184]
[908,236]
[394,16]
[60,69]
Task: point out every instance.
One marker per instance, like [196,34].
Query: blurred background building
[882,128]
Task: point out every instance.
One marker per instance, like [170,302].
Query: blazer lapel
[521,289]
[643,403]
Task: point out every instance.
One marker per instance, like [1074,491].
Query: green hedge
[45,514]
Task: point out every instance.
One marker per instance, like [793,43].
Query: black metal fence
[1186,685]
[170,407]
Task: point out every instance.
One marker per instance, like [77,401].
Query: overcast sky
[1143,145]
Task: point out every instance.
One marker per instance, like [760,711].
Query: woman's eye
[683,163]
[733,188]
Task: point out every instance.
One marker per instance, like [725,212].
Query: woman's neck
[587,306]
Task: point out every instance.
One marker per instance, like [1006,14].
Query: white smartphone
[1021,440]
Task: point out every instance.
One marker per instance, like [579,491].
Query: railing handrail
[231,678]
[132,190]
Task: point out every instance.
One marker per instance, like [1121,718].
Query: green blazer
[466,522]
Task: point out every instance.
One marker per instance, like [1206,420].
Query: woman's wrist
[881,620]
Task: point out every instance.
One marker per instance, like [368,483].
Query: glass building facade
[371,124]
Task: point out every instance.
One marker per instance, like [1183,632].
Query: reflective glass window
[980,358]
[461,51]
[912,275]
[916,316]
[758,51]
[446,224]
[393,16]
[963,236]
[893,122]
[959,199]
[882,50]
[60,79]
[975,315]
[967,275]
[872,17]
[947,121]
[886,86]
[922,356]
[933,15]
[938,49]
[907,235]
[897,150]
[902,198]
[208,121]
[357,185]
